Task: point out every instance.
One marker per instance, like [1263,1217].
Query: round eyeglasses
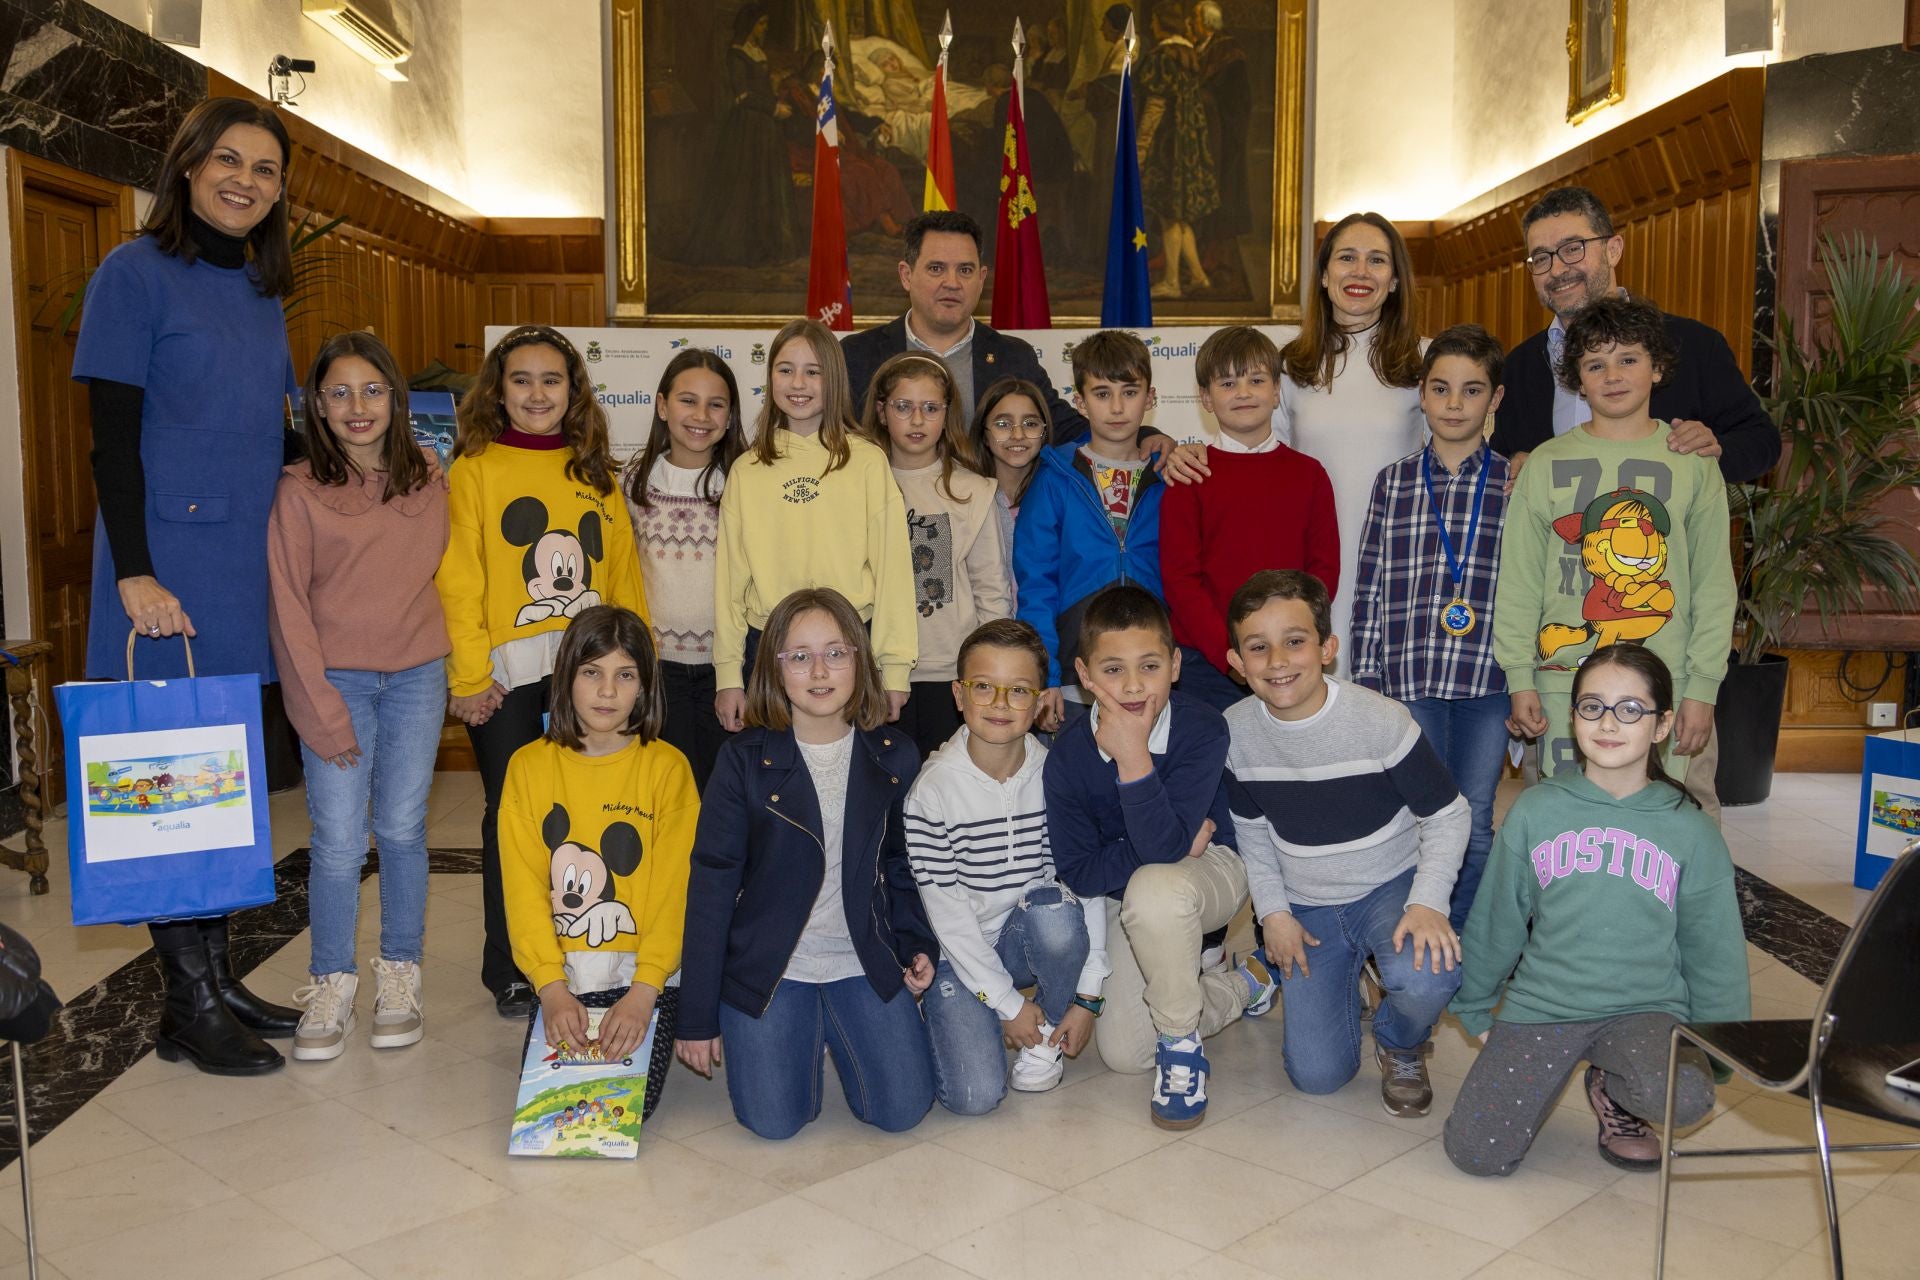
[983,693]
[1625,711]
[800,661]
[1008,425]
[372,393]
[907,408]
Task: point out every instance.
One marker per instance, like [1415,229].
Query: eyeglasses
[372,393]
[1008,425]
[906,408]
[1626,711]
[1573,253]
[983,693]
[800,661]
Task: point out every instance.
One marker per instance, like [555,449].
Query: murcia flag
[1019,276]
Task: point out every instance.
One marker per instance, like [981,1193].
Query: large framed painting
[713,118]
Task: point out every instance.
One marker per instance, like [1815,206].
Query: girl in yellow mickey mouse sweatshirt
[596,833]
[539,533]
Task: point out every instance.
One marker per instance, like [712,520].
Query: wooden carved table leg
[20,694]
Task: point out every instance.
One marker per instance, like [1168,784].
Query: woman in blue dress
[183,345]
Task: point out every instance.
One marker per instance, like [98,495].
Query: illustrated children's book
[575,1103]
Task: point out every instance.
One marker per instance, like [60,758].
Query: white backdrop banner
[626,364]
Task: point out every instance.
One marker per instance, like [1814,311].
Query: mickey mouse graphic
[581,879]
[558,567]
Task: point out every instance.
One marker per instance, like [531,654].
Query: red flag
[829,284]
[938,194]
[1019,276]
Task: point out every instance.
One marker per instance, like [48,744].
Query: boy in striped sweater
[1352,832]
[976,824]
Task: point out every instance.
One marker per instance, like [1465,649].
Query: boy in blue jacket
[1137,811]
[1091,515]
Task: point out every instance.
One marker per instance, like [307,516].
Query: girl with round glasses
[960,573]
[1606,914]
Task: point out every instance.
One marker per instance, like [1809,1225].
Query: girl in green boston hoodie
[1609,900]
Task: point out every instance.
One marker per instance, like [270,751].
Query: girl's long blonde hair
[483,412]
[837,422]
[955,446]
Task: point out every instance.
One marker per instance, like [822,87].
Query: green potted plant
[1813,534]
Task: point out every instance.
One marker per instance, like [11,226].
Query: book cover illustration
[576,1104]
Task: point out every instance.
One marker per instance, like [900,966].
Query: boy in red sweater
[1262,506]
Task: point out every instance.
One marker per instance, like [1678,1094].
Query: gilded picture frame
[670,109]
[1596,56]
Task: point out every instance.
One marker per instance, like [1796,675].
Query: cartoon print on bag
[558,567]
[581,879]
[1622,538]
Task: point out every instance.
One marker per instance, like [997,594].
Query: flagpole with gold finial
[938,192]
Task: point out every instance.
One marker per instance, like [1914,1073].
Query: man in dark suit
[1572,251]
[942,276]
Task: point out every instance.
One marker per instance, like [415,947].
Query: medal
[1457,619]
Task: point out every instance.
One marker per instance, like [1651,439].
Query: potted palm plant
[1816,533]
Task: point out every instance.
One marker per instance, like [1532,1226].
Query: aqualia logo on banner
[613,399]
[593,353]
[674,344]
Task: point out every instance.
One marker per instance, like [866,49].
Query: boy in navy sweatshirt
[1138,814]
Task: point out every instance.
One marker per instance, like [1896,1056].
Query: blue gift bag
[1889,803]
[166,797]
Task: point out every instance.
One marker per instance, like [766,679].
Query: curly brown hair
[483,413]
[1616,321]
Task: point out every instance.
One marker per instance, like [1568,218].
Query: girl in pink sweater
[357,532]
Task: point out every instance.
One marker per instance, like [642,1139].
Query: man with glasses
[1572,251]
[942,276]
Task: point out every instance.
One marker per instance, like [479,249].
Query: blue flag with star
[1125,302]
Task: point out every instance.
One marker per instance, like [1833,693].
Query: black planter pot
[1748,720]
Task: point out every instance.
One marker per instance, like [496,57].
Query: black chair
[1866,1022]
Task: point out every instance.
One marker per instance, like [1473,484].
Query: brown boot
[1626,1142]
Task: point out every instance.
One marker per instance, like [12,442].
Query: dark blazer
[995,356]
[1705,386]
[758,862]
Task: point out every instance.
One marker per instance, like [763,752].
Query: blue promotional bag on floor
[1889,802]
[166,798]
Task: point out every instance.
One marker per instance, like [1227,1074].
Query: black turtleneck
[119,477]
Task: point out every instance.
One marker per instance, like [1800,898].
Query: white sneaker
[327,1019]
[397,1020]
[1212,958]
[1038,1069]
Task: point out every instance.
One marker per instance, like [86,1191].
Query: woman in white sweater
[1350,390]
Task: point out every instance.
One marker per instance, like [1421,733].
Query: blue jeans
[1470,736]
[1043,943]
[1201,679]
[1321,1013]
[396,721]
[879,1049]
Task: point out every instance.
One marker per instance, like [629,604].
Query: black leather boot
[274,1021]
[195,1025]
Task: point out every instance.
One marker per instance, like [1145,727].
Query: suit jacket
[995,356]
[1705,386]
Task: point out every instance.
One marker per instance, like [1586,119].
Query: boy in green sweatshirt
[1606,914]
[1612,539]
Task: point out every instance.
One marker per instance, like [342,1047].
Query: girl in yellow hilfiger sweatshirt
[539,535]
[811,504]
[596,835]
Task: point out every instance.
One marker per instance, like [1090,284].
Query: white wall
[501,109]
[1422,106]
[533,108]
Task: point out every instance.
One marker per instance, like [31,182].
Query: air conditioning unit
[367,28]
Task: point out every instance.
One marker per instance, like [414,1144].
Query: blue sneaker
[1262,986]
[1179,1083]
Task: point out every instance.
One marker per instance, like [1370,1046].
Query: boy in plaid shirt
[1423,605]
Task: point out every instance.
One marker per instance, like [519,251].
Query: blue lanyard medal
[1457,618]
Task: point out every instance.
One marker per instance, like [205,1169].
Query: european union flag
[1125,302]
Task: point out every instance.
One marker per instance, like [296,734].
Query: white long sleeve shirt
[975,845]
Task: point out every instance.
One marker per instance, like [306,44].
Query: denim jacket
[758,861]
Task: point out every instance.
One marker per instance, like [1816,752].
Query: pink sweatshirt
[352,589]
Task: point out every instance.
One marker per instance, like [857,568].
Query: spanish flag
[939,189]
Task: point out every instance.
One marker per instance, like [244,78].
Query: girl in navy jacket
[804,927]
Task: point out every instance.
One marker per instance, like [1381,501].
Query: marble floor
[393,1163]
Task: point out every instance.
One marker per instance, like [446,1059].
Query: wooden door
[63,223]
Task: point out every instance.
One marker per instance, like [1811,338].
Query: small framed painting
[1596,56]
